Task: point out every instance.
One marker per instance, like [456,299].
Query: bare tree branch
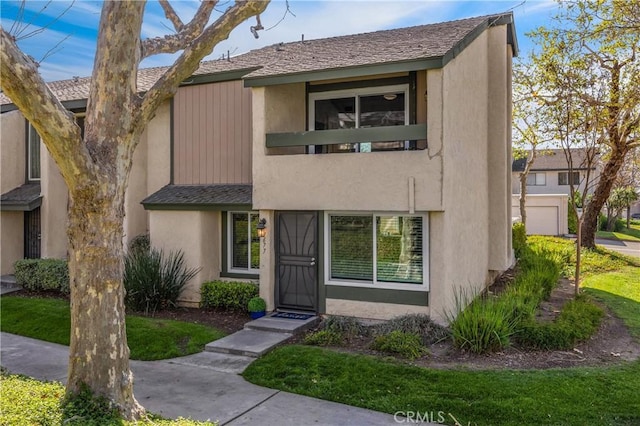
[189,60]
[28,91]
[171,15]
[186,33]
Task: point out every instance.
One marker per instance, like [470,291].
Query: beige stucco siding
[53,213]
[197,234]
[460,235]
[13,151]
[366,181]
[212,134]
[12,240]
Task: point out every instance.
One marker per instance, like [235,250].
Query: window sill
[424,287]
[241,275]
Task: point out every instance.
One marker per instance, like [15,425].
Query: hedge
[43,274]
[231,295]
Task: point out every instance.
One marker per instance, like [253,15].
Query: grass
[571,396]
[27,402]
[626,234]
[148,338]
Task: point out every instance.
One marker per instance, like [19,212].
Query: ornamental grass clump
[153,280]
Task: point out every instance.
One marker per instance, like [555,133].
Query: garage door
[542,220]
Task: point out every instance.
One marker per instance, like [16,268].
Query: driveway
[630,248]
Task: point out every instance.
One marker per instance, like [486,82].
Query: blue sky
[70,38]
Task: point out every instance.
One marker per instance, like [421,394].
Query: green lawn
[627,234]
[148,338]
[572,396]
[27,402]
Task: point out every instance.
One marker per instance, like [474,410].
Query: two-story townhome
[364,175]
[549,187]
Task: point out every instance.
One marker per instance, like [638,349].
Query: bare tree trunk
[605,183]
[99,355]
[523,199]
[628,216]
[578,255]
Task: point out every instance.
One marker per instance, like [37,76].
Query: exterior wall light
[261,227]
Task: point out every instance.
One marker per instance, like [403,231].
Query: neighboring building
[550,173]
[548,188]
[378,163]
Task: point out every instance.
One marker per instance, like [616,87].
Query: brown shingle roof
[554,159]
[374,48]
[197,197]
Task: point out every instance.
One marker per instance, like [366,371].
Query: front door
[32,234]
[296,254]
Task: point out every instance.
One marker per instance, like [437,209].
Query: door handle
[313,261]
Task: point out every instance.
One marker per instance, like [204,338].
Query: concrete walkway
[630,248]
[203,386]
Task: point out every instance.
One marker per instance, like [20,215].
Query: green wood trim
[218,77]
[239,276]
[359,71]
[194,206]
[359,84]
[377,295]
[322,293]
[330,137]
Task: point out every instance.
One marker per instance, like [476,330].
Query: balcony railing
[340,136]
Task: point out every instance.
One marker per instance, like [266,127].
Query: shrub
[140,242]
[519,237]
[154,281]
[228,295]
[419,324]
[408,345]
[485,325]
[85,408]
[572,219]
[345,326]
[324,338]
[578,321]
[256,304]
[43,274]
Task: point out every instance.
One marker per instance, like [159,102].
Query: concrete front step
[282,325]
[247,342]
[8,284]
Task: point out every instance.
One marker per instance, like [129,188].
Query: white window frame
[229,230]
[375,284]
[537,183]
[31,130]
[357,93]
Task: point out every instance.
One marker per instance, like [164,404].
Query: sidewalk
[203,386]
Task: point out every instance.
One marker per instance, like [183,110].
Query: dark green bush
[578,321]
[485,325]
[324,338]
[228,295]
[256,304]
[154,281]
[43,274]
[519,237]
[408,345]
[88,410]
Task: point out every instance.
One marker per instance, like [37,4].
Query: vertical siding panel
[247,119]
[180,143]
[187,132]
[210,135]
[196,129]
[224,134]
[216,133]
[237,143]
[205,140]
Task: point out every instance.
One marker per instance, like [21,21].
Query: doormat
[292,315]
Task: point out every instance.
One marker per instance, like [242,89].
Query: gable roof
[554,160]
[402,49]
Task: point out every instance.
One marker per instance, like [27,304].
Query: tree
[620,199]
[589,59]
[528,125]
[96,168]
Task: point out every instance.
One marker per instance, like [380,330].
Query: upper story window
[563,178]
[536,179]
[33,149]
[33,154]
[361,108]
